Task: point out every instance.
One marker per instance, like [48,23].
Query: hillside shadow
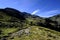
[53,26]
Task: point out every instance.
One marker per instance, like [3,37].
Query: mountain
[16,25]
[56,18]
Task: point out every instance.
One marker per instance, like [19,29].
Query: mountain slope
[15,25]
[56,18]
[35,33]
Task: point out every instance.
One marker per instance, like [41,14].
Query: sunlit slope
[37,33]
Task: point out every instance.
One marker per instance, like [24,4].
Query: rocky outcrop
[21,32]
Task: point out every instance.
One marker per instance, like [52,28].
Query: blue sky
[44,8]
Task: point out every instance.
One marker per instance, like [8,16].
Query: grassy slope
[39,33]
[4,21]
[6,31]
[36,32]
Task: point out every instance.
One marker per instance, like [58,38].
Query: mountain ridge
[23,15]
[13,21]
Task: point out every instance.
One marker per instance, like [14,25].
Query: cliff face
[16,25]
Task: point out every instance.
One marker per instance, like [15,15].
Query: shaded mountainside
[56,18]
[16,25]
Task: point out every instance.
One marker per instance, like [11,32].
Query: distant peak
[12,9]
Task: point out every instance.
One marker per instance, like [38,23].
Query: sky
[43,8]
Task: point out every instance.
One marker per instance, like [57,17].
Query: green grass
[39,33]
[5,31]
